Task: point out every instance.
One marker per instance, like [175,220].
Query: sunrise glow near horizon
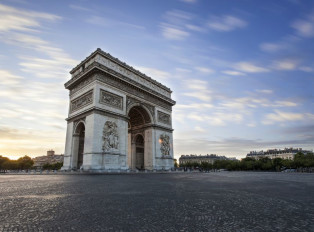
[241,72]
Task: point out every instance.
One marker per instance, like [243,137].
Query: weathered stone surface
[226,201]
[105,90]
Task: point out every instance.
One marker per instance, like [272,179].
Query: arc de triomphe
[119,118]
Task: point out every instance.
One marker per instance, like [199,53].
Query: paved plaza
[225,201]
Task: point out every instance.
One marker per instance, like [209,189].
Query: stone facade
[50,158]
[202,158]
[118,118]
[287,153]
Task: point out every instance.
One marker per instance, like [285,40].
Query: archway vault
[139,116]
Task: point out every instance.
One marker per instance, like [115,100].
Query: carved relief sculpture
[111,99]
[163,117]
[164,141]
[110,137]
[82,101]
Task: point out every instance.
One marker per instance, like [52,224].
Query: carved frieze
[130,89]
[164,141]
[163,117]
[82,84]
[111,99]
[110,137]
[80,102]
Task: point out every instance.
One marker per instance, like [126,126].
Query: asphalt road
[226,201]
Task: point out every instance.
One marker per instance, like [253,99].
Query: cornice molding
[99,72]
[120,63]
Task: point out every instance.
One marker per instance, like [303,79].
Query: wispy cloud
[266,91]
[199,129]
[13,19]
[306,69]
[199,90]
[304,27]
[197,106]
[57,63]
[23,30]
[17,33]
[8,78]
[233,73]
[272,47]
[286,64]
[205,70]
[280,116]
[254,102]
[189,1]
[173,33]
[195,28]
[201,95]
[249,67]
[226,23]
[154,73]
[216,118]
[80,8]
[107,22]
[177,17]
[174,26]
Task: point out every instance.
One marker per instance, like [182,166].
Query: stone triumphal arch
[119,118]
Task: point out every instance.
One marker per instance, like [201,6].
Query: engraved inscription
[82,101]
[111,99]
[163,117]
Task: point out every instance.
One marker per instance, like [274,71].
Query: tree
[25,162]
[277,164]
[3,162]
[55,166]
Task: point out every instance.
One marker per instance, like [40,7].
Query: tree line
[263,164]
[24,163]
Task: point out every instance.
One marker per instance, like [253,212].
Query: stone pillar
[68,148]
[149,149]
[130,158]
[75,148]
[133,151]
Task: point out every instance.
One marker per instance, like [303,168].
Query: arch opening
[139,118]
[139,143]
[79,140]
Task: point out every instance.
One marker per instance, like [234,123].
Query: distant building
[202,158]
[50,158]
[287,153]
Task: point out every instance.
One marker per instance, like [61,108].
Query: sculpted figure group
[164,144]
[110,137]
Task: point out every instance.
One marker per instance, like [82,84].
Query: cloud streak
[12,19]
[226,23]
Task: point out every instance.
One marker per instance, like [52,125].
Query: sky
[241,72]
